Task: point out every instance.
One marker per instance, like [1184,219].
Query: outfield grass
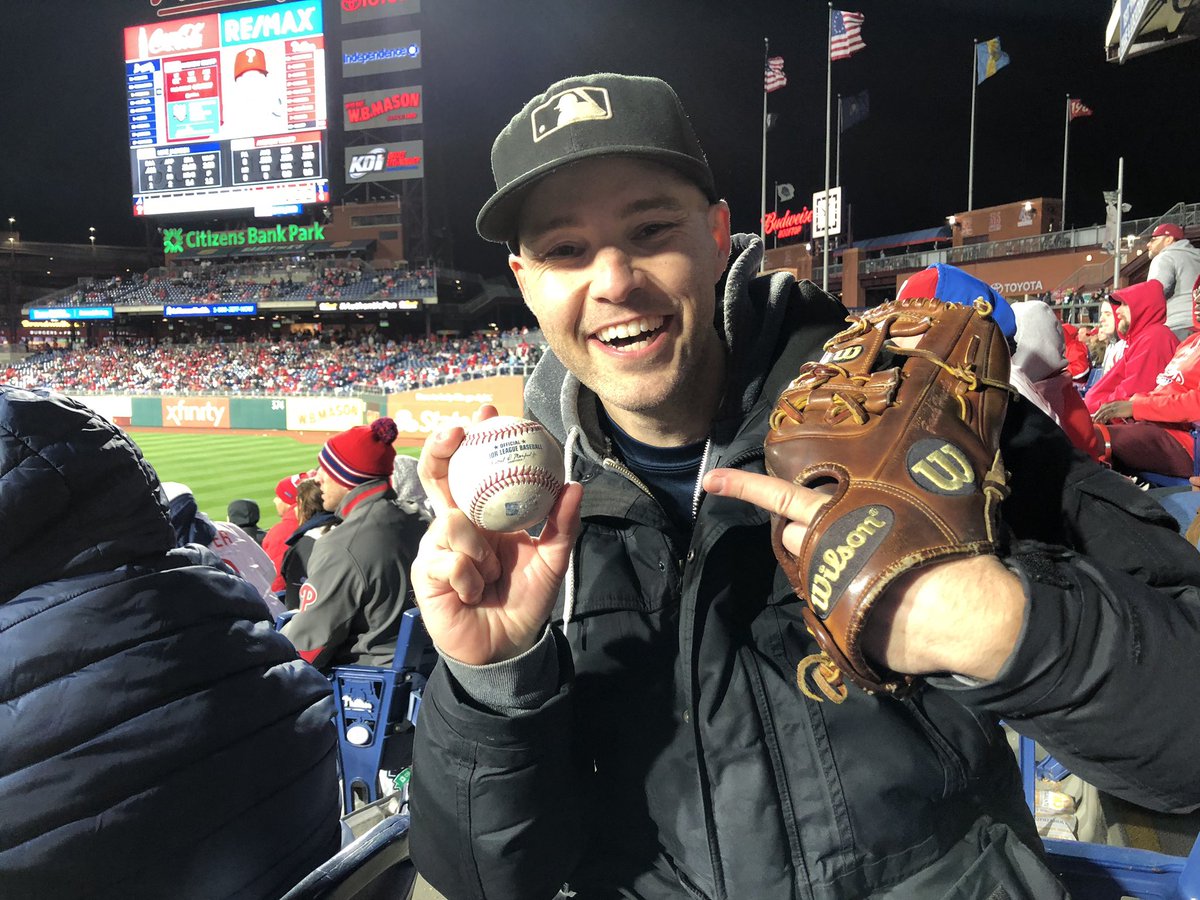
[230,466]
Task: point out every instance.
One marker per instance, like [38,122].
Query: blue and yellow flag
[989,59]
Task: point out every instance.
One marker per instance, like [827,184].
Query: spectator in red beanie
[275,542]
[358,582]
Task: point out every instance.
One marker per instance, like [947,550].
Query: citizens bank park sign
[176,240]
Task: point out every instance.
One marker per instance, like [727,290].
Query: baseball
[506,474]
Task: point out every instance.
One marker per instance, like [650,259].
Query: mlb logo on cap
[575,105]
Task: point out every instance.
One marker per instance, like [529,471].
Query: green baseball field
[230,466]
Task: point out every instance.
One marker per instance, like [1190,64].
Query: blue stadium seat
[1101,872]
[377,862]
[375,704]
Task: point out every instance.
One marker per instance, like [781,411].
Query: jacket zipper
[619,467]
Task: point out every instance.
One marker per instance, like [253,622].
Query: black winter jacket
[157,737]
[675,757]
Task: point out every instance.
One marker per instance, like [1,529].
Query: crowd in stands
[301,365]
[347,279]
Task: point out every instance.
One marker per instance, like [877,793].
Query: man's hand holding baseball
[485,596]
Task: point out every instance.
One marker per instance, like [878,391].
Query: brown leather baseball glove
[900,422]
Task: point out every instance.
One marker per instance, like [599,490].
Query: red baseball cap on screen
[249,60]
[1168,229]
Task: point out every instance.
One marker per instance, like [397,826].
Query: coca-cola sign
[171,38]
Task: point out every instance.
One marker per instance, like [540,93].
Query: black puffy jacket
[157,737]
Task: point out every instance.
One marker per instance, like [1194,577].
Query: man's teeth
[630,329]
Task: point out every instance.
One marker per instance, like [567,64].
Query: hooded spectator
[1149,345]
[245,514]
[235,548]
[157,737]
[1079,364]
[1156,434]
[1041,357]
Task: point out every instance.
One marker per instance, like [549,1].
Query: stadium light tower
[12,273]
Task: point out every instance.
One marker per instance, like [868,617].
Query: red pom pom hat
[361,454]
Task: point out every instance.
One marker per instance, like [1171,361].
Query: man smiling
[616,707]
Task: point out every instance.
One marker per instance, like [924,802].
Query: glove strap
[825,675]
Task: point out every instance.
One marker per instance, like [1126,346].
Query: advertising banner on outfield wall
[324,413]
[258,413]
[361,10]
[118,410]
[195,412]
[419,413]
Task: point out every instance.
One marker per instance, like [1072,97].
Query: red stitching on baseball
[483,435]
[504,478]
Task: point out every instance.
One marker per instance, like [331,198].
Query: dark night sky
[63,138]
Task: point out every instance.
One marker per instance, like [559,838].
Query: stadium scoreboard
[227,111]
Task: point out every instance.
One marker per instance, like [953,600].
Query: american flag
[1078,109]
[846,38]
[774,78]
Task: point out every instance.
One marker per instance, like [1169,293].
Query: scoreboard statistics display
[227,111]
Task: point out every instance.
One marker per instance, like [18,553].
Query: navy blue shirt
[669,472]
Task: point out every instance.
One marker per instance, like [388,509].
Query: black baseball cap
[580,118]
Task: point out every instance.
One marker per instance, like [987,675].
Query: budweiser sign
[789,224]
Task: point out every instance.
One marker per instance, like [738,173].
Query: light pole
[13,317]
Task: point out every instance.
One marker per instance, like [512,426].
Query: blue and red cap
[361,454]
[953,285]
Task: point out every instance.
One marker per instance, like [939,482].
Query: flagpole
[971,152]
[775,234]
[1066,138]
[1117,233]
[762,219]
[837,178]
[828,101]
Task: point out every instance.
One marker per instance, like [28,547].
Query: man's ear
[517,265]
[719,228]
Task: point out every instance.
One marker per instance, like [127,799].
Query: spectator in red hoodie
[1149,345]
[275,542]
[1156,434]
[1079,363]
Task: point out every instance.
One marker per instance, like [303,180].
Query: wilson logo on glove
[940,467]
[861,530]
